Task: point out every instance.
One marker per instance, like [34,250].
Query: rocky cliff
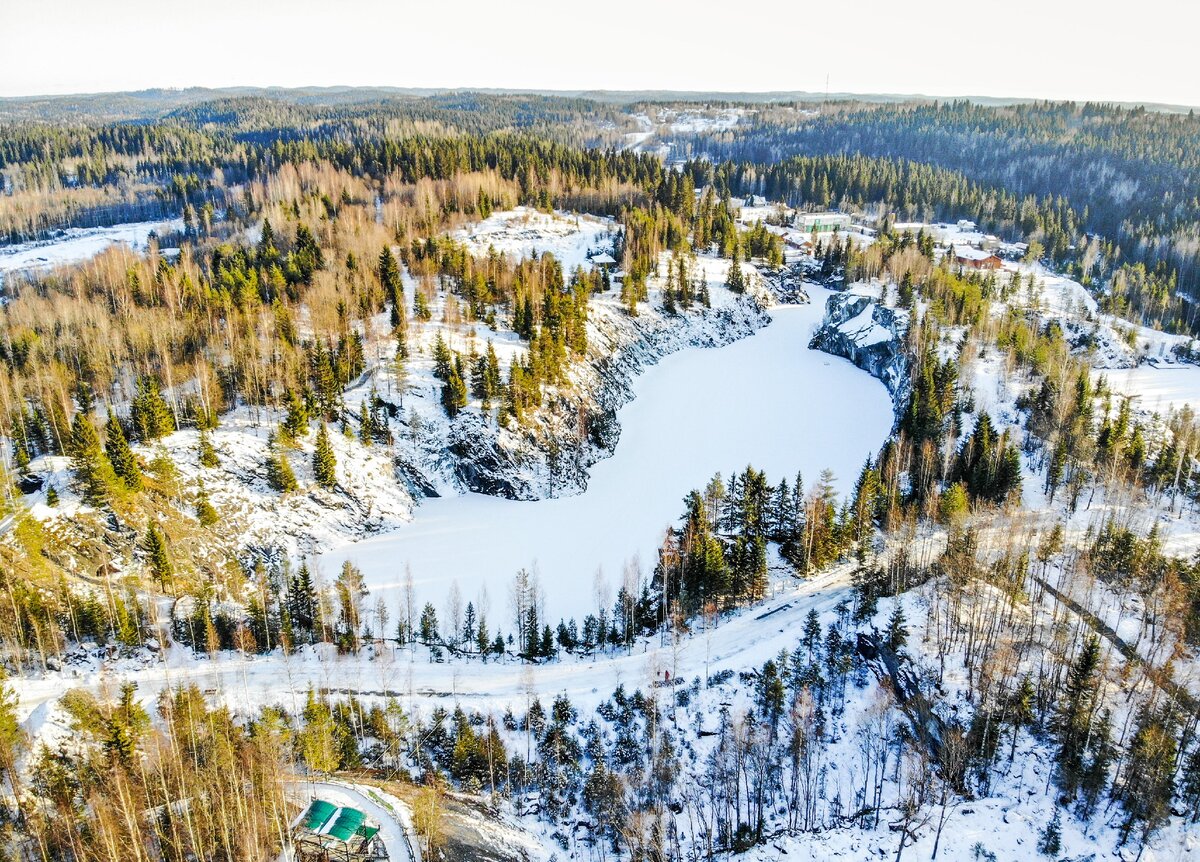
[870,335]
[577,426]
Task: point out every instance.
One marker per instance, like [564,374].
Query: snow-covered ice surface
[766,400]
[1159,388]
[78,244]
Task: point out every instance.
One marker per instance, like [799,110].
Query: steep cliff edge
[872,336]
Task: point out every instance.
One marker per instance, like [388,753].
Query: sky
[1097,50]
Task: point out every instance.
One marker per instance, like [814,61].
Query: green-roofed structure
[326,832]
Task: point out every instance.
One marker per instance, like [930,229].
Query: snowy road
[246,684]
[390,813]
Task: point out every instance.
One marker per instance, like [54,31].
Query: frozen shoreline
[696,412]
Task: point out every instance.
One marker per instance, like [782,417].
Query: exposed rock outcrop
[578,424]
[870,335]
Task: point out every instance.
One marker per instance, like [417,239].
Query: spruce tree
[124,462]
[393,288]
[295,425]
[454,394]
[443,359]
[151,416]
[91,468]
[1189,790]
[267,251]
[736,279]
[205,513]
[1050,839]
[1072,722]
[366,424]
[324,462]
[1021,712]
[207,451]
[421,306]
[482,642]
[897,628]
[157,558]
[302,604]
[1147,781]
[279,470]
[428,626]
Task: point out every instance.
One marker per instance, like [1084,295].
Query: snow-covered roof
[603,259]
[823,216]
[966,252]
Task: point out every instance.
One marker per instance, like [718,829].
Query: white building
[825,222]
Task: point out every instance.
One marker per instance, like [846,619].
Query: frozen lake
[766,400]
[1160,388]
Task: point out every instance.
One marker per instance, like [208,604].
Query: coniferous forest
[350,311]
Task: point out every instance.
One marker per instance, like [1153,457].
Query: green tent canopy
[318,814]
[347,823]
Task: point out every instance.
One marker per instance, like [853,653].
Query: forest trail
[747,638]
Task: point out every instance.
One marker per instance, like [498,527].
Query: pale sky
[1098,50]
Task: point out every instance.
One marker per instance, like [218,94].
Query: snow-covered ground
[78,244]
[702,121]
[766,400]
[525,232]
[1159,388]
[247,683]
[695,120]
[392,815]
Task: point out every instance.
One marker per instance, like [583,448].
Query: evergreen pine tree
[896,635]
[482,642]
[302,604]
[1147,781]
[295,424]
[279,470]
[1189,790]
[428,626]
[421,306]
[91,468]
[736,279]
[205,513]
[151,416]
[207,451]
[1021,712]
[366,424]
[323,460]
[393,288]
[1072,722]
[157,558]
[124,462]
[1050,839]
[454,394]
